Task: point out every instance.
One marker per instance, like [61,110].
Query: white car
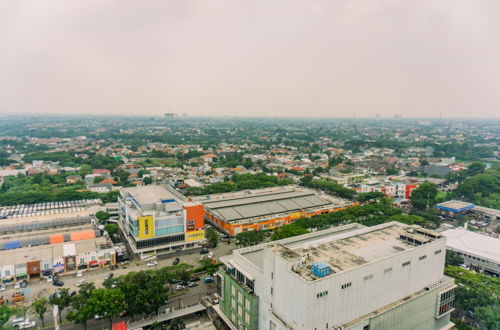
[17,286]
[79,273]
[80,282]
[49,279]
[180,287]
[3,287]
[152,263]
[27,324]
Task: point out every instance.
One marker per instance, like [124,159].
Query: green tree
[123,176]
[39,306]
[144,292]
[424,196]
[489,316]
[288,231]
[176,324]
[111,228]
[98,179]
[5,313]
[212,237]
[62,300]
[108,303]
[453,259]
[102,216]
[205,262]
[81,311]
[147,180]
[477,293]
[85,169]
[248,238]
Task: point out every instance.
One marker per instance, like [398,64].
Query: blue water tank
[320,269]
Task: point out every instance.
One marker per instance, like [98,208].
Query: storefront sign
[195,235]
[146,227]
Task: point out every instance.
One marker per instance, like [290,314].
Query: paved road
[40,288]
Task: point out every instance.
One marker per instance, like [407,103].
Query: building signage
[146,227]
[195,235]
[295,215]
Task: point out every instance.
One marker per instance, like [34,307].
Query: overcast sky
[251,58]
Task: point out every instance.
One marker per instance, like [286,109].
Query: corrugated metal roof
[258,206]
[252,199]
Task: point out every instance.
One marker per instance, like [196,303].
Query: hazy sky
[251,57]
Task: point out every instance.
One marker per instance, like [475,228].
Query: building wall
[415,314]
[285,297]
[232,229]
[479,263]
[240,306]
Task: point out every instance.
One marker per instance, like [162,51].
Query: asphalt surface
[41,288]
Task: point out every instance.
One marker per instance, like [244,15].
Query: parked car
[3,287]
[108,276]
[195,279]
[204,251]
[192,284]
[72,294]
[210,255]
[152,263]
[27,324]
[49,279]
[17,321]
[22,323]
[79,273]
[176,261]
[58,283]
[180,287]
[208,279]
[17,286]
[80,282]
[224,239]
[18,296]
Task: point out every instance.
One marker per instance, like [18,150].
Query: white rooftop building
[389,276]
[480,252]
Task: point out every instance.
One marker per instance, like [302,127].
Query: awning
[57,238]
[12,245]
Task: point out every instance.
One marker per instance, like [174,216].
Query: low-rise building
[156,220]
[388,276]
[263,209]
[480,252]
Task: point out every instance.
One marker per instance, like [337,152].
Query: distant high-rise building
[377,115]
[388,276]
[170,115]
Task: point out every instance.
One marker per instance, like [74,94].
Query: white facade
[381,275]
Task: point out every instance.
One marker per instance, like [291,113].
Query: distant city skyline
[340,59]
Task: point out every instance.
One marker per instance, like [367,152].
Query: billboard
[195,235]
[146,227]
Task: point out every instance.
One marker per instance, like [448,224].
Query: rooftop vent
[320,269]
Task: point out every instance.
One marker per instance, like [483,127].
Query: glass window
[446,302]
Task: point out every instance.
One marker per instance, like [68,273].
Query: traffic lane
[40,288]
